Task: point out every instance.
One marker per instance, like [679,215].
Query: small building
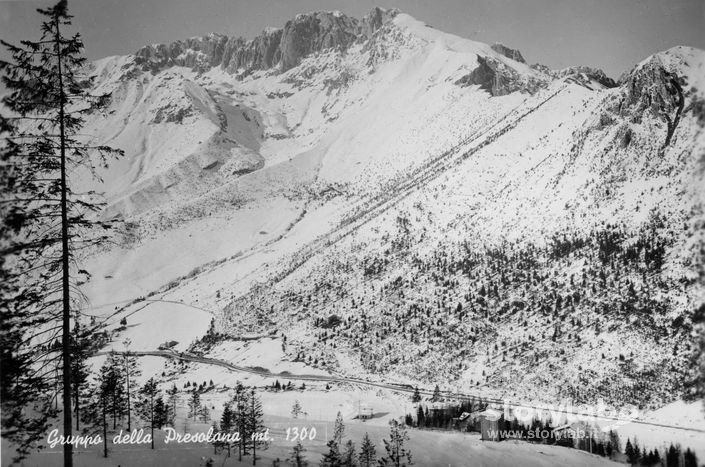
[487,422]
[490,422]
[365,411]
[464,422]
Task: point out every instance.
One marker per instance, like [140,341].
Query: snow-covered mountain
[389,201]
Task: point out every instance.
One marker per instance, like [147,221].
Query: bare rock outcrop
[508,52]
[499,79]
[314,32]
[651,86]
[283,47]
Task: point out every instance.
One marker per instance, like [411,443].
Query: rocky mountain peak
[285,47]
[312,32]
[588,72]
[499,79]
[508,52]
[651,85]
[375,19]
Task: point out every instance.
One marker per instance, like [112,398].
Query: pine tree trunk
[152,421]
[66,298]
[76,401]
[105,430]
[254,430]
[127,375]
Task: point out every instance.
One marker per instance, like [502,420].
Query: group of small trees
[242,415]
[345,454]
[339,454]
[277,386]
[115,397]
[672,457]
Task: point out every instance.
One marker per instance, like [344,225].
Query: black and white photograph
[337,233]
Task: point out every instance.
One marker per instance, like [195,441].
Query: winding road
[405,388]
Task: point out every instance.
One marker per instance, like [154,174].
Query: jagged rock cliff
[514,54]
[499,79]
[305,34]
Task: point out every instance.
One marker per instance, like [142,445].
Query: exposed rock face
[508,52]
[498,79]
[592,73]
[260,53]
[580,74]
[304,35]
[313,32]
[651,86]
[375,19]
[198,53]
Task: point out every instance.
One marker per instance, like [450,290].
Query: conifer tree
[636,453]
[349,456]
[101,402]
[629,450]
[333,457]
[44,223]
[255,424]
[204,414]
[227,423]
[173,397]
[338,429]
[368,454]
[689,459]
[297,457]
[673,456]
[79,369]
[194,403]
[436,394]
[131,370]
[240,412]
[113,384]
[296,409]
[146,405]
[161,412]
[420,417]
[397,455]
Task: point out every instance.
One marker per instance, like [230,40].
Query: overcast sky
[610,34]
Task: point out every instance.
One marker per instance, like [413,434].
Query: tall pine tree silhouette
[44,222]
